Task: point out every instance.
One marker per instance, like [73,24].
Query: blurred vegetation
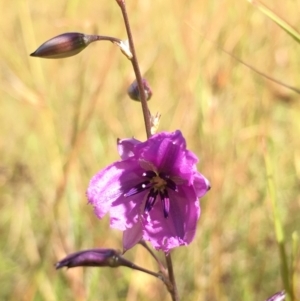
[59,121]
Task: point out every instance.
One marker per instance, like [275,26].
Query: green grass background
[59,121]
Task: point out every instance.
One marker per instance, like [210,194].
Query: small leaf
[124,46]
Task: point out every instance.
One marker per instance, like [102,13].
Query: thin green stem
[160,265]
[105,38]
[173,291]
[136,267]
[136,69]
[278,228]
[160,275]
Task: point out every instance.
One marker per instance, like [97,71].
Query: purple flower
[152,193]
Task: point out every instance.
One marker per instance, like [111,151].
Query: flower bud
[91,258]
[134,93]
[64,45]
[280,296]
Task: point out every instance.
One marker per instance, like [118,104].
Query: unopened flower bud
[64,45]
[134,93]
[280,296]
[91,258]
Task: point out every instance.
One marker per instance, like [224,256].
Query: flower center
[157,184]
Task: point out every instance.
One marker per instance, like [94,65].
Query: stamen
[151,198]
[165,201]
[138,188]
[170,183]
[149,174]
[158,184]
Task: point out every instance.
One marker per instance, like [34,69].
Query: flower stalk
[152,193]
[136,69]
[160,265]
[147,119]
[173,290]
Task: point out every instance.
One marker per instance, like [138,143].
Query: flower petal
[132,236]
[180,226]
[126,147]
[106,193]
[168,156]
[123,188]
[201,184]
[176,137]
[125,212]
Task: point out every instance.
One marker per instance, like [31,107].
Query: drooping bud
[64,45]
[96,258]
[134,93]
[280,296]
[91,258]
[101,258]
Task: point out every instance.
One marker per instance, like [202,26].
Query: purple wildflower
[152,193]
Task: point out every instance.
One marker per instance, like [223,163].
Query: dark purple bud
[91,258]
[64,45]
[280,296]
[134,93]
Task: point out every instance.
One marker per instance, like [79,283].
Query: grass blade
[278,20]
